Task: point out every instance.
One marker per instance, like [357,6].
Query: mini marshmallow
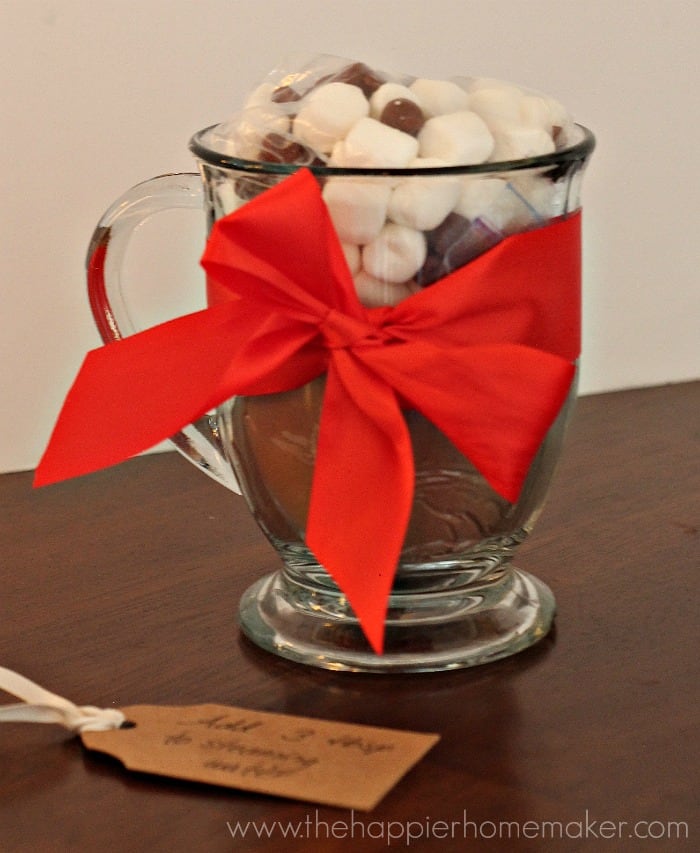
[500,103]
[327,114]
[357,208]
[373,145]
[389,92]
[534,112]
[396,254]
[475,84]
[497,203]
[423,203]
[459,139]
[478,196]
[558,113]
[374,293]
[353,257]
[548,198]
[437,97]
[515,142]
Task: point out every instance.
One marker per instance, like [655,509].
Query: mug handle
[199,442]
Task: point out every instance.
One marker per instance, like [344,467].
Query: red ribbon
[485,354]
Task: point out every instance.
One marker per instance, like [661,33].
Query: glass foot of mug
[426,631]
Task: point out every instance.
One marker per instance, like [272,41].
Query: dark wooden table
[122,588]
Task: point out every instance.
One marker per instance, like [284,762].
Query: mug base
[425,631]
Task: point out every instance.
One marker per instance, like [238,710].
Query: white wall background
[96,96]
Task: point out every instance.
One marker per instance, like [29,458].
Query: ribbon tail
[362,490]
[133,393]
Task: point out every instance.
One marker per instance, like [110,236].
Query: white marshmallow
[373,145]
[387,93]
[535,112]
[496,202]
[514,142]
[475,84]
[357,208]
[478,196]
[353,257]
[423,202]
[327,113]
[496,104]
[459,139]
[548,198]
[396,254]
[374,293]
[437,97]
[558,113]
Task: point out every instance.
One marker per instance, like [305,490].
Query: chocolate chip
[433,269]
[447,233]
[276,148]
[454,243]
[359,74]
[285,95]
[403,114]
[477,239]
[247,187]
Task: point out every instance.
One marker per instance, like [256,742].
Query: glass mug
[457,600]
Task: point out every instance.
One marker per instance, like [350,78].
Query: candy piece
[327,114]
[432,270]
[476,240]
[375,293]
[437,97]
[448,232]
[285,95]
[389,92]
[515,142]
[423,202]
[460,138]
[396,254]
[247,186]
[371,144]
[454,243]
[255,124]
[276,148]
[404,115]
[357,208]
[359,74]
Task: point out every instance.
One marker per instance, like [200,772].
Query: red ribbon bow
[485,354]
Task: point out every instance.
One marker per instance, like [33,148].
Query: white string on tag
[41,706]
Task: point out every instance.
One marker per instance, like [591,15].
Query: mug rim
[579,151]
